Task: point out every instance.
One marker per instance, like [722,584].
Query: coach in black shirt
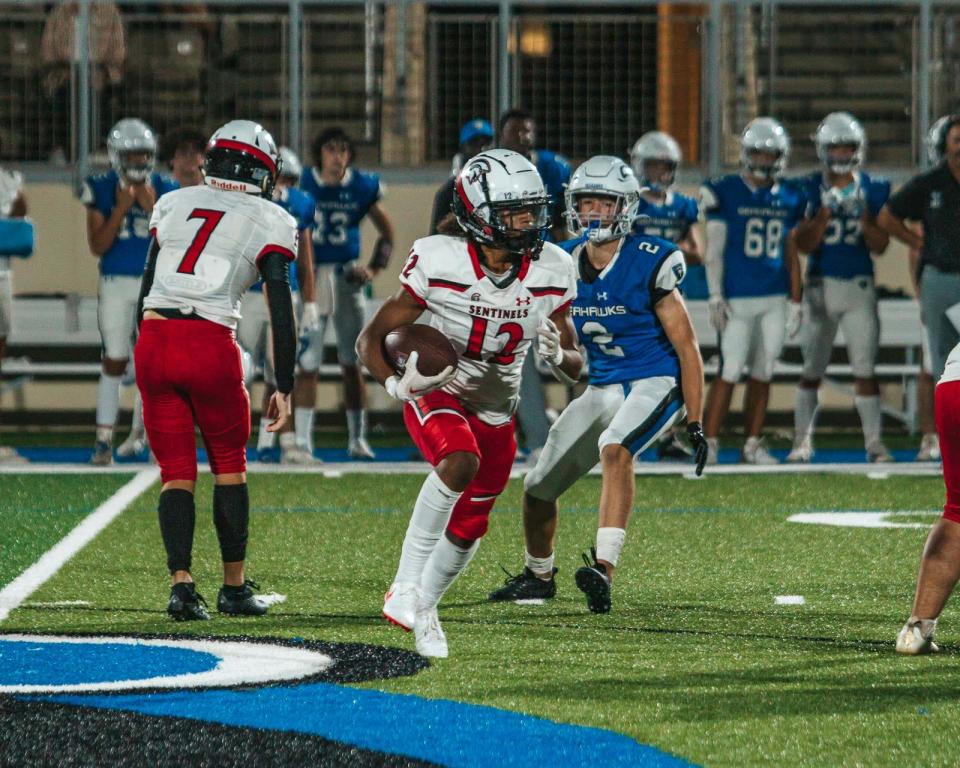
[933,200]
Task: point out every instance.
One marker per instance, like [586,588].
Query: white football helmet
[655,145]
[290,164]
[132,137]
[603,176]
[840,129]
[764,134]
[496,182]
[242,157]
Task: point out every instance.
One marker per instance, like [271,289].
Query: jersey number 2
[513,332]
[210,220]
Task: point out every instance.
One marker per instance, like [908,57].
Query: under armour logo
[601,295]
[521,301]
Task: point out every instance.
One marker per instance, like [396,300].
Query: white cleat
[299,457]
[360,449]
[916,638]
[800,454]
[755,452]
[400,605]
[10,456]
[431,642]
[877,453]
[929,448]
[135,444]
[713,450]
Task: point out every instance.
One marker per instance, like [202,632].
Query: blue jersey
[339,211]
[843,253]
[758,222]
[300,205]
[614,311]
[555,172]
[128,253]
[670,219]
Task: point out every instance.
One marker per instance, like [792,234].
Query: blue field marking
[52,663]
[445,732]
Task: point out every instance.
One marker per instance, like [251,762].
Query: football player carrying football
[210,243]
[645,367]
[840,233]
[494,288]
[752,266]
[119,204]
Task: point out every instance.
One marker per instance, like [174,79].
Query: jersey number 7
[210,219]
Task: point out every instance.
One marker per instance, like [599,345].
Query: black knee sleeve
[177,519]
[231,516]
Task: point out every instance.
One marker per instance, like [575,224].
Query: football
[435,352]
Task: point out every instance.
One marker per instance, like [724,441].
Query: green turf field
[695,659]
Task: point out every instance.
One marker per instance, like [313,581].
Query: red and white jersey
[490,326]
[210,244]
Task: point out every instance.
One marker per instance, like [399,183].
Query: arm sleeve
[149,270]
[713,258]
[910,200]
[275,270]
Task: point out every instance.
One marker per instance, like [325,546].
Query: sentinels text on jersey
[210,244]
[490,324]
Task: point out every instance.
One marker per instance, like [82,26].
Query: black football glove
[698,441]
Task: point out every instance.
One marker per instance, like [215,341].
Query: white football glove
[548,342]
[719,313]
[831,198]
[414,384]
[794,318]
[310,317]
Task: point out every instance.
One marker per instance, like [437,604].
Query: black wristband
[381,254]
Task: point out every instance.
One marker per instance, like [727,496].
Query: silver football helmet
[655,145]
[290,165]
[602,176]
[764,134]
[132,137]
[936,138]
[840,129]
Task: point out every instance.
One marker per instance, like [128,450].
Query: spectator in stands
[59,55]
[344,196]
[932,198]
[475,136]
[13,205]
[184,150]
[518,133]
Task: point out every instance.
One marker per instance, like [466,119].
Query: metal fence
[594,75]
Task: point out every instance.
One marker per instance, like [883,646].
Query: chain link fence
[595,76]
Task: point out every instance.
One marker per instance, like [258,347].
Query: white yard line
[55,558]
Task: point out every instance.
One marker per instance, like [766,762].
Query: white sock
[265,439]
[288,440]
[108,401]
[431,512]
[609,543]
[303,422]
[105,435]
[870,418]
[752,442]
[446,562]
[541,566]
[357,425]
[136,425]
[805,414]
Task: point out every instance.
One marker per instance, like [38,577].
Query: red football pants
[439,425]
[189,372]
[947,400]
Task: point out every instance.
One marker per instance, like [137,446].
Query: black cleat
[240,601]
[186,604]
[525,586]
[593,581]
